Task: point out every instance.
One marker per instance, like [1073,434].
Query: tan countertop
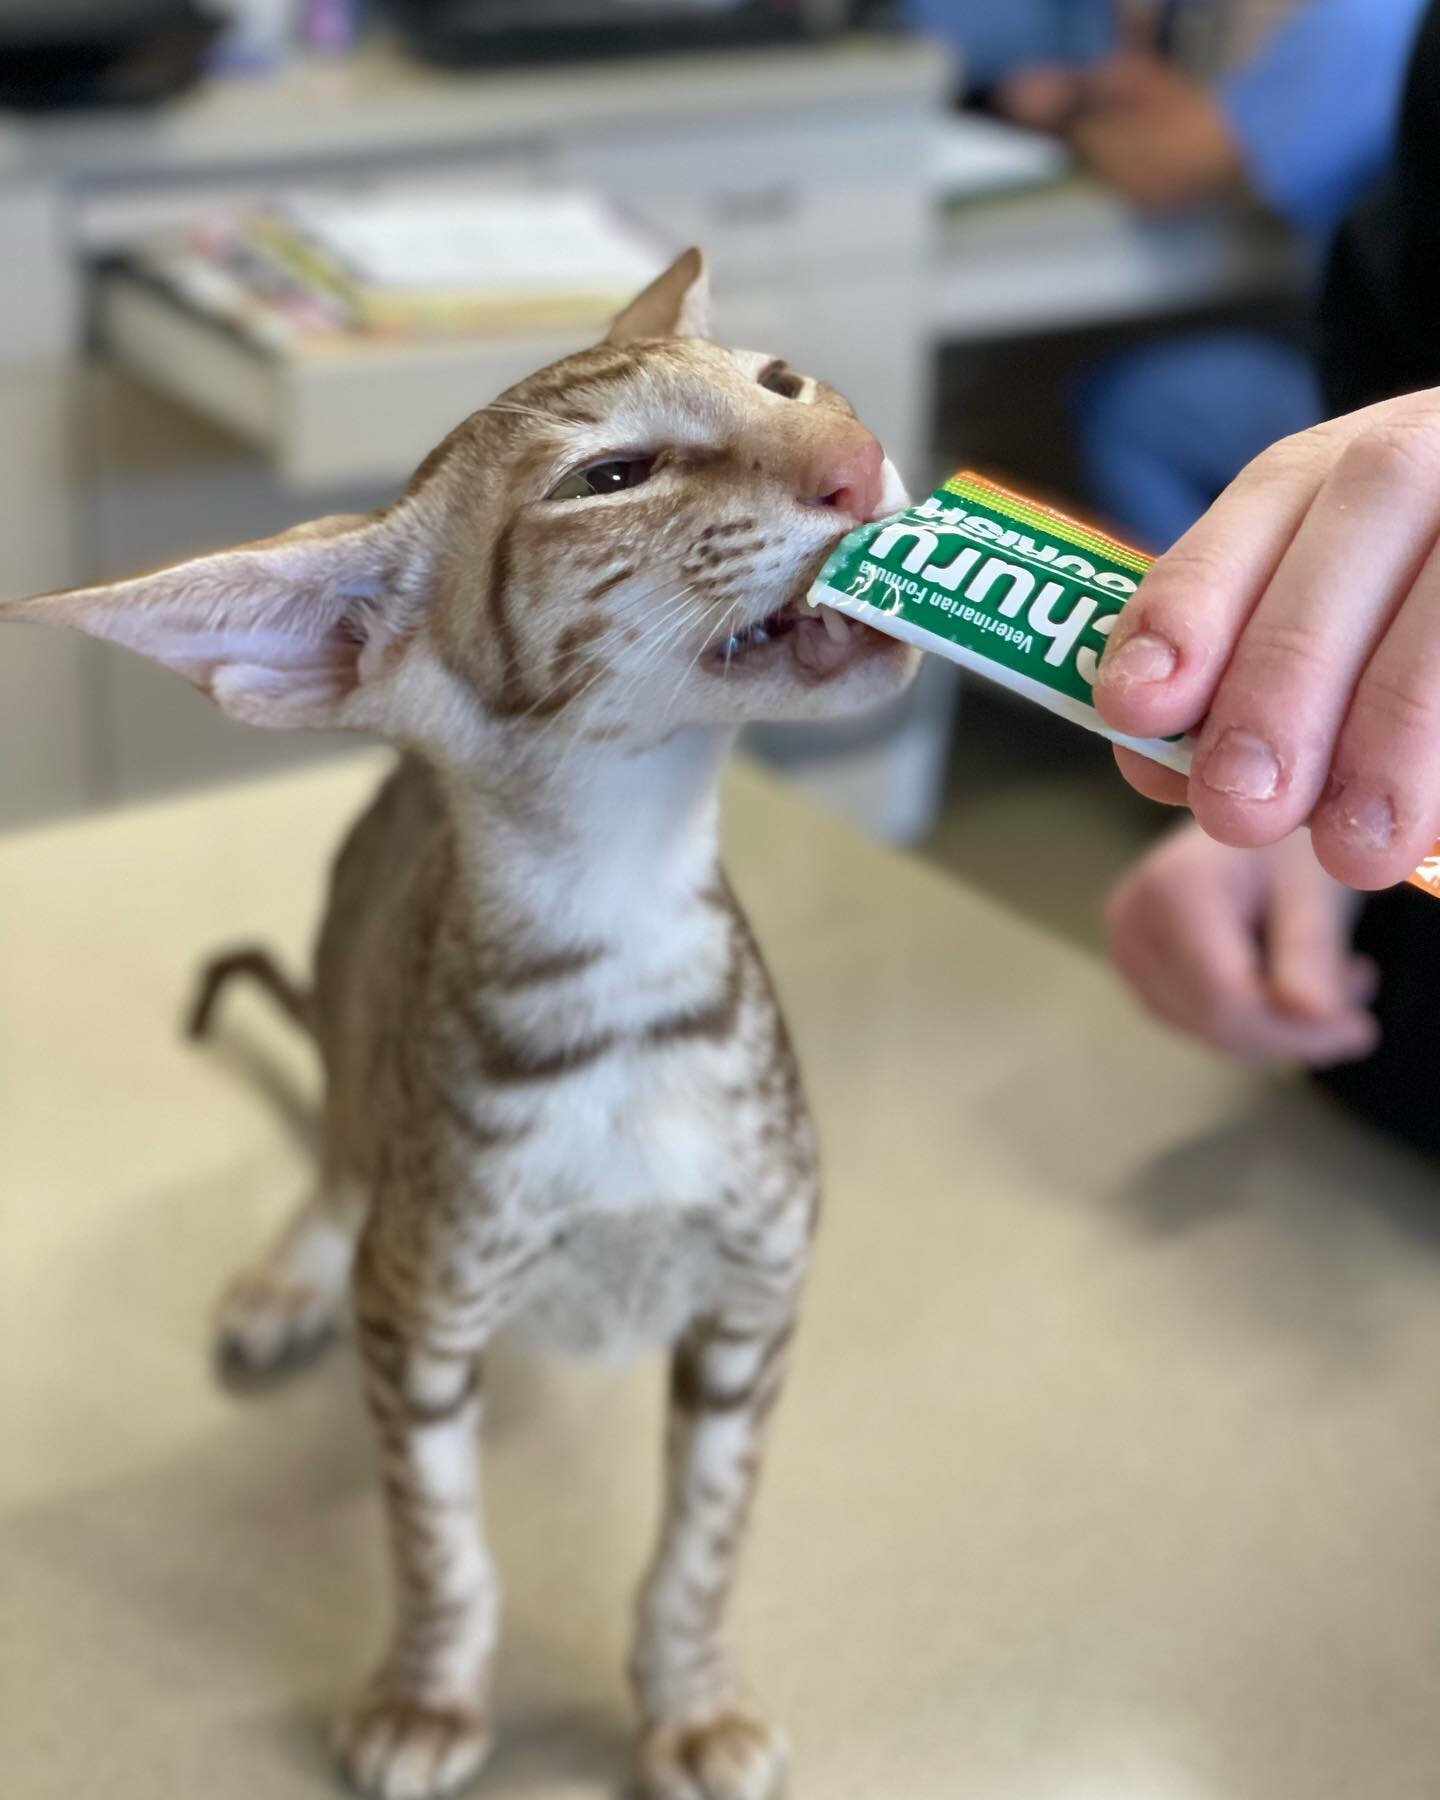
[1109,1470]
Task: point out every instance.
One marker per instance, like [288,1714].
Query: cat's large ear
[286,631]
[676,304]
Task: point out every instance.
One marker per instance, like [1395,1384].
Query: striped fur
[560,1094]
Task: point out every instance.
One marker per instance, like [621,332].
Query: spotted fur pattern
[560,1093]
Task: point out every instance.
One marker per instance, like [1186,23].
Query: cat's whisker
[587,652]
[653,648]
[609,640]
[665,616]
[665,631]
[649,598]
[733,615]
[685,600]
[531,412]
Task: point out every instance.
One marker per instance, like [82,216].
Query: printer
[479,32]
[60,53]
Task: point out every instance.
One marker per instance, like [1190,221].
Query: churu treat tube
[1009,589]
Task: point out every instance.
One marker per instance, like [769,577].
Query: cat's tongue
[825,641]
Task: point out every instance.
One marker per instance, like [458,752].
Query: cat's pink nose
[850,477]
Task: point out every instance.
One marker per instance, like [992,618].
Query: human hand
[1153,133]
[1246,950]
[1300,621]
[1043,98]
[1136,75]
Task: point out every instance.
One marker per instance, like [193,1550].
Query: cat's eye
[604,478]
[780,380]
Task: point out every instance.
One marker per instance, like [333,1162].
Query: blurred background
[1111,1469]
[260,254]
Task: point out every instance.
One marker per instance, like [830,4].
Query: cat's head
[619,545]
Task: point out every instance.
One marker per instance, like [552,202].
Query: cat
[559,1090]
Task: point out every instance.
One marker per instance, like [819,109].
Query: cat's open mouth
[822,642]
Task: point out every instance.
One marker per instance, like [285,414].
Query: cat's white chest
[629,1173]
[618,1169]
[641,1132]
[619,1283]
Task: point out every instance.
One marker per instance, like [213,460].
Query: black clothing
[1380,321]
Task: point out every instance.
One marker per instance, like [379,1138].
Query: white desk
[1072,255]
[1109,1465]
[1025,244]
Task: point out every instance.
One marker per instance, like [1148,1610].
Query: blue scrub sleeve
[1315,109]
[996,37]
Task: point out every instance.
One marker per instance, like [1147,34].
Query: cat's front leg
[279,1312]
[422,1729]
[699,1741]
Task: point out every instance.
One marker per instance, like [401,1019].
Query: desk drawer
[336,417]
[322,417]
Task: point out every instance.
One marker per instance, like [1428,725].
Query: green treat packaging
[1007,588]
[1011,590]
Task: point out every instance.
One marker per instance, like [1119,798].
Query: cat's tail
[258,966]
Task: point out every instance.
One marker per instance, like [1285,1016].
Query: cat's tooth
[734,644]
[836,628]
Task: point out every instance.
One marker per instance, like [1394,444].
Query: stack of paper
[410,262]
[973,157]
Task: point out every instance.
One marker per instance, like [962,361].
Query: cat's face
[618,546]
[629,535]
[650,517]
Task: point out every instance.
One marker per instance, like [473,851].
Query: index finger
[1172,642]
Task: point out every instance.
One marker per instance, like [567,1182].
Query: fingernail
[1144,658]
[1242,765]
[1362,814]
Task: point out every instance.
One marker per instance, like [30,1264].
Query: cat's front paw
[268,1324]
[396,1749]
[731,1757]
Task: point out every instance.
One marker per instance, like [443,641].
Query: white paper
[561,240]
[972,156]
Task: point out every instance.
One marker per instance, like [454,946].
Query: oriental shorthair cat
[559,1091]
